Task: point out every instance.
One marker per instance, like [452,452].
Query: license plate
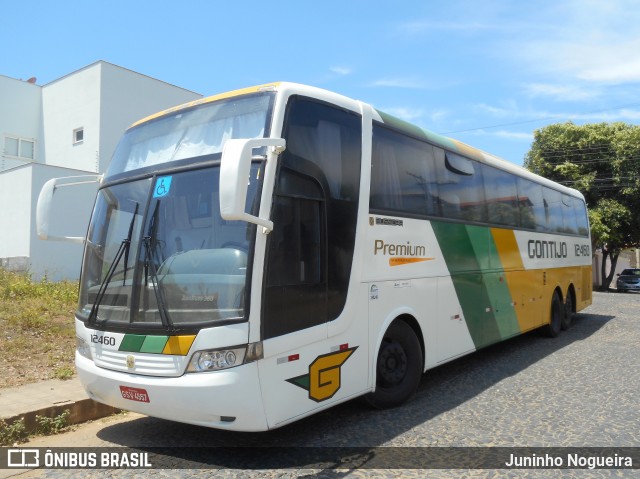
[134,394]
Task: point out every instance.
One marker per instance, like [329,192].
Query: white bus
[258,256]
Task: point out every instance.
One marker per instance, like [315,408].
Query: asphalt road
[578,390]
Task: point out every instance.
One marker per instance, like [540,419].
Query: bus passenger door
[308,260]
[294,313]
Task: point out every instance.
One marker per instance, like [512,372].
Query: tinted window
[297,253]
[403,175]
[329,138]
[502,198]
[460,187]
[569,215]
[553,210]
[532,206]
[581,217]
[316,203]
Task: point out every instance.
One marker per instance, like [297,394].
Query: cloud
[562,92]
[590,41]
[438,116]
[614,114]
[341,70]
[399,82]
[500,112]
[428,26]
[511,116]
[404,113]
[506,134]
[513,135]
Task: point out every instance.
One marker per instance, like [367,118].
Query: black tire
[555,317]
[398,367]
[567,316]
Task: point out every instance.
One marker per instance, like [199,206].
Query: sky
[488,73]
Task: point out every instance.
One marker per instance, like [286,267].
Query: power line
[522,122]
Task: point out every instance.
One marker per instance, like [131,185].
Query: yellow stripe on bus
[178,345]
[209,99]
[507,246]
[526,298]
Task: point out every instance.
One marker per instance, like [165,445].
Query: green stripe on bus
[479,281]
[132,343]
[154,344]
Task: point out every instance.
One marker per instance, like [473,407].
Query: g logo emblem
[324,378]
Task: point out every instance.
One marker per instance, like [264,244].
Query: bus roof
[471,152]
[209,99]
[396,123]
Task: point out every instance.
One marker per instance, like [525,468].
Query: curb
[79,411]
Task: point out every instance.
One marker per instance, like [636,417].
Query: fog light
[83,348]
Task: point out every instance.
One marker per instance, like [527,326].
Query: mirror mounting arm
[234,172]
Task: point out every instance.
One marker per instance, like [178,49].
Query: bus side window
[502,198]
[295,294]
[569,215]
[581,217]
[385,184]
[532,207]
[553,209]
[402,174]
[460,185]
[324,143]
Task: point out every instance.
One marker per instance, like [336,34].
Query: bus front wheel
[398,367]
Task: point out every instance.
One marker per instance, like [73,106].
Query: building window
[19,148]
[78,136]
[11,146]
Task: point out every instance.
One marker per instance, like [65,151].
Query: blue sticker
[163,184]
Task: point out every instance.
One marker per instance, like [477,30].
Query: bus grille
[145,364]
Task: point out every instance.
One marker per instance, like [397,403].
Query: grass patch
[46,426]
[37,333]
[16,432]
[12,433]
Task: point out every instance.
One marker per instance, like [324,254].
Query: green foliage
[603,162]
[46,426]
[63,372]
[12,433]
[20,285]
[37,337]
[16,432]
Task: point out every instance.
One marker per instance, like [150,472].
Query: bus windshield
[192,133]
[159,255]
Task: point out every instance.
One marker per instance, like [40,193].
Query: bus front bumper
[228,399]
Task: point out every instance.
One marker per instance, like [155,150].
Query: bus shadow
[352,427]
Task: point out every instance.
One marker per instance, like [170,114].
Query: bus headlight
[83,348]
[216,359]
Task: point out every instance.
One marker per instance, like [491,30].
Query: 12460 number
[104,340]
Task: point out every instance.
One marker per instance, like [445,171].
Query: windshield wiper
[123,250]
[150,270]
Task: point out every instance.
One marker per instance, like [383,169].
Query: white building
[68,127]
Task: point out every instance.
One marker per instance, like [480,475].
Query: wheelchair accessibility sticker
[163,184]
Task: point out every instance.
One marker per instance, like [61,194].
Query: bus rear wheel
[556,316]
[398,367]
[567,317]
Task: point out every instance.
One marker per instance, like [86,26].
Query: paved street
[580,389]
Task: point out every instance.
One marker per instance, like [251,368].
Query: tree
[602,161]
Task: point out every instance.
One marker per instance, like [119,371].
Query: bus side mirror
[45,200]
[234,176]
